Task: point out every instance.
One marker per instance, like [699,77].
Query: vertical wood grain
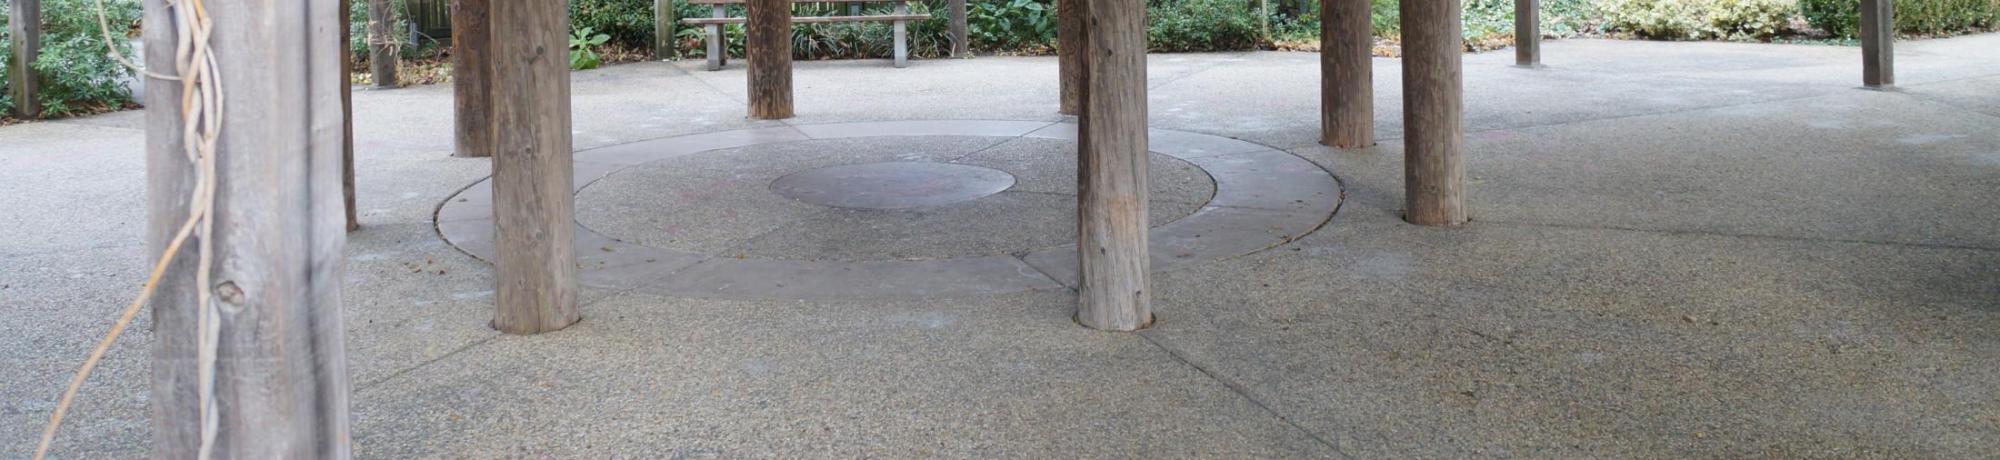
[381,36]
[25,25]
[1433,113]
[769,44]
[471,78]
[1114,291]
[1070,39]
[281,386]
[534,210]
[663,29]
[1527,33]
[347,121]
[1347,75]
[1878,36]
[961,45]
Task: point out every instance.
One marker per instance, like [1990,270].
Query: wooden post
[347,120]
[1113,287]
[280,386]
[1433,113]
[25,25]
[1347,74]
[902,36]
[663,29]
[382,48]
[534,208]
[1527,33]
[961,47]
[471,78]
[769,44]
[1878,34]
[1070,39]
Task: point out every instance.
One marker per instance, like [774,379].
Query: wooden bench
[718,53]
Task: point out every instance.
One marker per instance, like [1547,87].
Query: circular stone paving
[911,209]
[892,185]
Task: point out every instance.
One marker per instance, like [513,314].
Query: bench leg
[902,37]
[718,46]
[714,47]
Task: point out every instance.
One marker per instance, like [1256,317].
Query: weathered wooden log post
[1347,74]
[280,386]
[1527,33]
[1070,39]
[25,25]
[1113,285]
[382,43]
[347,120]
[1433,113]
[471,78]
[769,45]
[1878,35]
[960,40]
[534,210]
[664,18]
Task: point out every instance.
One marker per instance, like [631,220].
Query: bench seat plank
[815,19]
[740,2]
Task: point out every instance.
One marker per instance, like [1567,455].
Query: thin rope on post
[201,114]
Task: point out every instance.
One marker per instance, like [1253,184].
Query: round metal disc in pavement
[892,185]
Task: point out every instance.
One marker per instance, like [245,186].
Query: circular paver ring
[1263,198]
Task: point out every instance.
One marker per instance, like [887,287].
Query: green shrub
[357,32]
[6,54]
[1842,18]
[78,75]
[1010,24]
[628,23]
[1201,25]
[1701,19]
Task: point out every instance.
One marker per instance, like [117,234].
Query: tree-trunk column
[1113,287]
[1070,39]
[1433,113]
[347,121]
[279,373]
[534,209]
[471,78]
[960,45]
[664,19]
[769,44]
[25,26]
[1527,33]
[382,48]
[1878,33]
[1347,75]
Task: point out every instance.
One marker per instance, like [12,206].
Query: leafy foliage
[1201,25]
[1842,18]
[1702,19]
[357,33]
[78,75]
[583,45]
[1010,24]
[628,23]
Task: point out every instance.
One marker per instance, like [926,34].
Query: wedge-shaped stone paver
[732,278]
[1213,233]
[660,149]
[996,128]
[1270,180]
[1179,144]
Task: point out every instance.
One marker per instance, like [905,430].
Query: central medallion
[892,185]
